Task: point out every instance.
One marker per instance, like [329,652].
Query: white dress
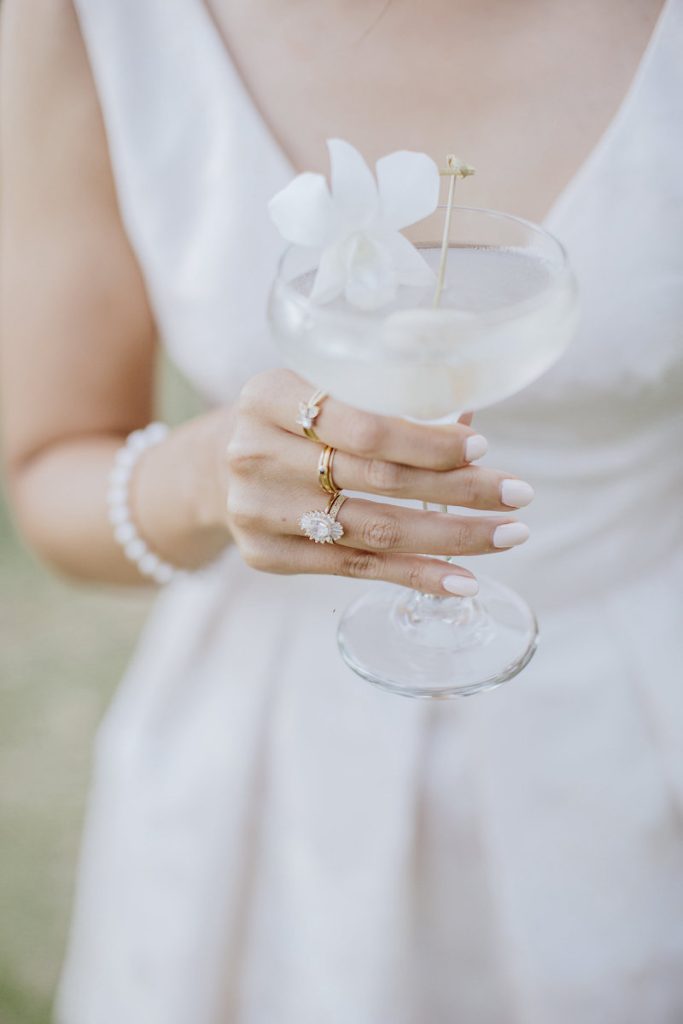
[270,841]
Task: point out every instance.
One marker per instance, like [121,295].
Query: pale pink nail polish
[516,493]
[475,447]
[509,535]
[463,586]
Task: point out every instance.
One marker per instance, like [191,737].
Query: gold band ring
[308,413]
[322,527]
[335,503]
[325,478]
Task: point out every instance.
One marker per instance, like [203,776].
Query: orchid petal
[408,187]
[411,266]
[370,273]
[303,211]
[330,279]
[354,189]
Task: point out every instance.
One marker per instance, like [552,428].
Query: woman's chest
[522,93]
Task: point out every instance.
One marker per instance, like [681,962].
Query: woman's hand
[272,478]
[71,286]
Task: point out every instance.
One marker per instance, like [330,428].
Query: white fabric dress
[272,843]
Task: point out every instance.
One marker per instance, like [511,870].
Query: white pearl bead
[148,564]
[126,457]
[119,476]
[137,440]
[117,495]
[156,432]
[163,573]
[135,549]
[124,533]
[118,514]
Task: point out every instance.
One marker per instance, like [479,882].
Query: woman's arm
[78,341]
[78,338]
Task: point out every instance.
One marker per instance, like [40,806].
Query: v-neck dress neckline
[581,174]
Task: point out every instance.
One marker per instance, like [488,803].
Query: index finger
[371,436]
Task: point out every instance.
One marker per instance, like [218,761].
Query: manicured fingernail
[463,586]
[475,447]
[516,493]
[509,535]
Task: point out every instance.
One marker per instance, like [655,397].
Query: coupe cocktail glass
[507,312]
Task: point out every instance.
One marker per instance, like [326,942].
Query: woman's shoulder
[46,81]
[44,28]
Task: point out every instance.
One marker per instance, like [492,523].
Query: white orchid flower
[357,226]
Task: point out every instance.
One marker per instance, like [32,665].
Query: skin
[522,90]
[78,336]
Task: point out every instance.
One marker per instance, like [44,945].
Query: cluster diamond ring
[308,413]
[323,527]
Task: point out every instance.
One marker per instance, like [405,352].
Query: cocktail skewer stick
[455,168]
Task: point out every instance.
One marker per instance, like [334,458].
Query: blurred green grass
[63,649]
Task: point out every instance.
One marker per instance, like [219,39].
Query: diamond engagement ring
[322,527]
[308,412]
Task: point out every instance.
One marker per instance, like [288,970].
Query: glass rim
[516,219]
[359,315]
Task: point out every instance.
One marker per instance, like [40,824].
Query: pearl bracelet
[125,532]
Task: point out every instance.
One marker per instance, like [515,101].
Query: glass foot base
[436,647]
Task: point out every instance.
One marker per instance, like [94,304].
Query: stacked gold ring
[325,477]
[335,503]
[321,525]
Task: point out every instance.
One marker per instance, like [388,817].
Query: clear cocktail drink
[506,313]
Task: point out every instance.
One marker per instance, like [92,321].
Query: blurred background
[63,648]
